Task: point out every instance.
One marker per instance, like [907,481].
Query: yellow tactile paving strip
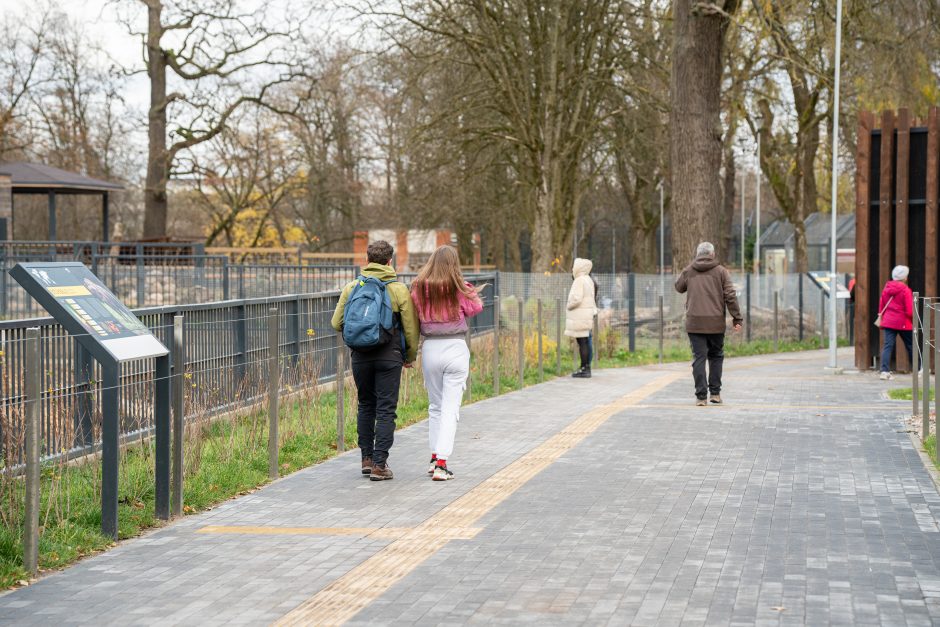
[355,590]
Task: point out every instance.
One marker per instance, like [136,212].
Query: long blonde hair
[436,288]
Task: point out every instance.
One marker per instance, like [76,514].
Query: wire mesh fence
[226,351]
[629,315]
[226,345]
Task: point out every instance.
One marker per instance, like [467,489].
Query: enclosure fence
[227,348]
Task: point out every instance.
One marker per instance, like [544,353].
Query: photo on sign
[89,302]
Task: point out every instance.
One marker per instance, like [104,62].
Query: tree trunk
[799,242]
[808,147]
[643,248]
[695,125]
[155,201]
[542,241]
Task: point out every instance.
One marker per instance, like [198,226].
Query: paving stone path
[606,501]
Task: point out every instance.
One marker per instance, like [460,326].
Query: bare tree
[23,45]
[219,57]
[539,72]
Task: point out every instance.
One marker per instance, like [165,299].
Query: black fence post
[747,311]
[293,329]
[631,304]
[110,430]
[801,306]
[241,344]
[141,276]
[161,421]
[225,279]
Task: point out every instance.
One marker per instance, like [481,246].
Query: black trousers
[377,383]
[585,351]
[707,347]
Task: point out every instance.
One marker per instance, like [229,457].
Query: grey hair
[705,249]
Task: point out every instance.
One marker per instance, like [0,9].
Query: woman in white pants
[444,302]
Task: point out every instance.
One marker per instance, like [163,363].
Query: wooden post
[559,316]
[595,341]
[886,187]
[925,351]
[931,287]
[496,346]
[33,409]
[936,372]
[340,394]
[662,329]
[915,385]
[274,372]
[538,326]
[467,394]
[902,209]
[776,315]
[521,344]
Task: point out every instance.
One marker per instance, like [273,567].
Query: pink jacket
[900,311]
[468,307]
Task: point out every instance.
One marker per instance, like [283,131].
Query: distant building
[778,244]
[413,247]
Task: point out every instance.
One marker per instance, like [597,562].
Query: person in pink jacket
[897,314]
[444,302]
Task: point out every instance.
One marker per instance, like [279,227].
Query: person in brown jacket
[709,293]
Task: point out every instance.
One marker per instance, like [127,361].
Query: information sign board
[87,309]
[822,280]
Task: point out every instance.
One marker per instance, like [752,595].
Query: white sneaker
[432,466]
[442,474]
[886,376]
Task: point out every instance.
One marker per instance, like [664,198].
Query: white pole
[743,199]
[833,340]
[757,259]
[662,240]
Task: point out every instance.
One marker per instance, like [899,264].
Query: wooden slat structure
[896,193]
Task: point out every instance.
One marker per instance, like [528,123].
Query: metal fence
[226,348]
[629,313]
[159,280]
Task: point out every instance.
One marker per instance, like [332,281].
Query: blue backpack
[368,322]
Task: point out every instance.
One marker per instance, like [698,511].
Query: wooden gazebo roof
[37,178]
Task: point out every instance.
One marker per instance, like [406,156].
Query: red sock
[433,457]
[442,463]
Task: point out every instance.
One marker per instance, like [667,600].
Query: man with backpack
[378,322]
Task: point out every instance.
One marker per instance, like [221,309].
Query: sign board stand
[111,335]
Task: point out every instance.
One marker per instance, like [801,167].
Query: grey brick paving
[774,512]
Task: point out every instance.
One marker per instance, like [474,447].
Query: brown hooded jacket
[710,292]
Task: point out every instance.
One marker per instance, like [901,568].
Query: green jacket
[401,304]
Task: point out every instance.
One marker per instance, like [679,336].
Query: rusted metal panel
[863,320]
[901,205]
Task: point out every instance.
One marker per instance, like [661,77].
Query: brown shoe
[700,402]
[367,465]
[381,472]
[715,400]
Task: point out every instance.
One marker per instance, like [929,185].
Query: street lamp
[662,240]
[743,199]
[833,340]
[759,124]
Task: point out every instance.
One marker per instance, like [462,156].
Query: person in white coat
[582,307]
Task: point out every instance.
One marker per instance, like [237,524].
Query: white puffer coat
[581,301]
